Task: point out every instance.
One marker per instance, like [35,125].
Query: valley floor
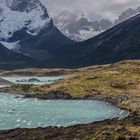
[117,83]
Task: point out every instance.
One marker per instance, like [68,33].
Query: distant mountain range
[121,42]
[127,14]
[80,27]
[28,38]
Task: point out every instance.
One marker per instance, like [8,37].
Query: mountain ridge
[31,31]
[11,60]
[50,48]
[80,27]
[121,42]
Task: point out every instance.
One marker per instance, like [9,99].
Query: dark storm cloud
[107,8]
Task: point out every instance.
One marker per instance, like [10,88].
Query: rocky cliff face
[21,18]
[78,27]
[26,28]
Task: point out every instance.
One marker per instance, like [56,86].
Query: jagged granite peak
[16,15]
[27,29]
[23,5]
[78,26]
[127,14]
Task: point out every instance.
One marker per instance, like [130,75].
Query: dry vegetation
[118,83]
[37,72]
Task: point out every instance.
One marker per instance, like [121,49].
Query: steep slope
[26,28]
[118,43]
[25,16]
[45,45]
[127,14]
[11,60]
[80,27]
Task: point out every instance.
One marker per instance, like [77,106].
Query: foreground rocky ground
[126,129]
[117,83]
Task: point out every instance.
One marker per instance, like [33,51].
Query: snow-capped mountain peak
[16,15]
[78,26]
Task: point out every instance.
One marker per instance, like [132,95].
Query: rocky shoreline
[108,130]
[61,95]
[111,129]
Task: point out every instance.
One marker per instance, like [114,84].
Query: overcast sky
[110,9]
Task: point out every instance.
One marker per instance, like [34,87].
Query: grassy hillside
[120,80]
[38,72]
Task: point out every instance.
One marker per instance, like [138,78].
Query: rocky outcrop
[31,34]
[105,130]
[50,95]
[29,80]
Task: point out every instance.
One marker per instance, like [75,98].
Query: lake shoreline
[132,118]
[60,130]
[64,96]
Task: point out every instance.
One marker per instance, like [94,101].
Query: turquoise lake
[18,112]
[43,80]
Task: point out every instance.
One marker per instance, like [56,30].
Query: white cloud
[110,9]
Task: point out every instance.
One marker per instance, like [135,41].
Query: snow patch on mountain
[83,34]
[11,46]
[86,34]
[12,20]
